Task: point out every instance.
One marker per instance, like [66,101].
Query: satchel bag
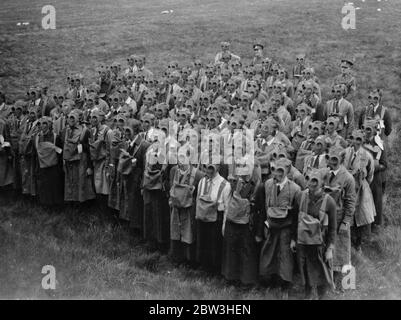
[181,195]
[309,227]
[206,208]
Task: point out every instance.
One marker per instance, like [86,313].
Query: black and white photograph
[200,155]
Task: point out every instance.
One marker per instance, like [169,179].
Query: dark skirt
[240,258]
[312,268]
[182,252]
[156,217]
[78,186]
[114,188]
[209,243]
[276,257]
[51,186]
[135,202]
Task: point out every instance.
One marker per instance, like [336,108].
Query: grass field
[89,249]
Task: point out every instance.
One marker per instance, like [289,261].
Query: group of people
[241,169]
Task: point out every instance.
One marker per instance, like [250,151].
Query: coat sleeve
[294,223]
[171,178]
[349,199]
[370,167]
[332,226]
[387,123]
[361,118]
[225,195]
[383,161]
[350,118]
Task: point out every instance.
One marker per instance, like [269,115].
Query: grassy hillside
[91,250]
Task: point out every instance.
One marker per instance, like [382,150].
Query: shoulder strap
[192,176]
[303,199]
[175,179]
[324,203]
[323,217]
[221,187]
[66,134]
[37,141]
[267,192]
[106,131]
[84,129]
[54,138]
[289,183]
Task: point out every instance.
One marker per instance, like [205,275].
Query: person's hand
[293,246]
[343,227]
[89,171]
[329,254]
[258,239]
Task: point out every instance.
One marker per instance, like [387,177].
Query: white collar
[37,101]
[2,106]
[376,107]
[128,101]
[335,171]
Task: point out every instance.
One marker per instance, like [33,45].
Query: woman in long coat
[184,179]
[240,255]
[6,156]
[78,172]
[50,164]
[131,167]
[374,144]
[113,154]
[313,234]
[360,164]
[156,210]
[16,122]
[341,187]
[28,159]
[277,204]
[100,137]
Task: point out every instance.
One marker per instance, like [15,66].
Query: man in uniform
[346,77]
[258,54]
[341,186]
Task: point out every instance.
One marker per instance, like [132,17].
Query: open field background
[89,249]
